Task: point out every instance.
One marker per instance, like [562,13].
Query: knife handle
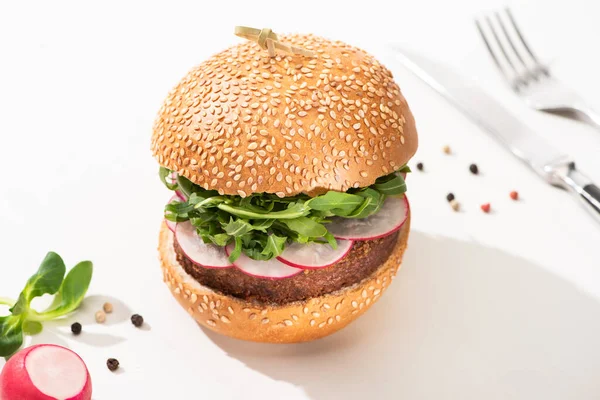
[591,195]
[583,187]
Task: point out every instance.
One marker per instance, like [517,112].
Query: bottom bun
[300,321]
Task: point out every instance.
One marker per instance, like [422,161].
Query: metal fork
[527,76]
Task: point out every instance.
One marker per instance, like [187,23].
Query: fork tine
[523,41]
[509,40]
[491,50]
[500,45]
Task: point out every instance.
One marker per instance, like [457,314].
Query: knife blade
[556,167]
[484,111]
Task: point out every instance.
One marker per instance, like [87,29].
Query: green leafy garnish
[72,291]
[11,334]
[50,279]
[304,226]
[261,225]
[32,327]
[46,281]
[274,247]
[164,175]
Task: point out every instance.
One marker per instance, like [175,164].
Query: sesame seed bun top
[242,122]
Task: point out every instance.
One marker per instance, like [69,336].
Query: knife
[552,165]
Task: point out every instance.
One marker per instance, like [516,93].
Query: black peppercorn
[137,320]
[112,364]
[76,328]
[450,196]
[420,166]
[473,168]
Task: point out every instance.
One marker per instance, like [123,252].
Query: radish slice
[273,268]
[45,372]
[403,175]
[170,224]
[314,255]
[203,254]
[182,197]
[387,220]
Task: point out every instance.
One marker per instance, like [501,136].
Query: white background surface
[495,306]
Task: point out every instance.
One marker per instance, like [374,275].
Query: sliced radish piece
[272,269]
[172,177]
[314,255]
[387,220]
[45,372]
[203,254]
[403,175]
[182,197]
[171,225]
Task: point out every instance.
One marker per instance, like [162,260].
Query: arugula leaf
[391,185]
[237,227]
[274,247]
[373,200]
[188,188]
[202,218]
[178,208]
[261,224]
[46,280]
[331,240]
[237,251]
[306,227]
[11,334]
[163,173]
[335,201]
[220,239]
[209,203]
[293,211]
